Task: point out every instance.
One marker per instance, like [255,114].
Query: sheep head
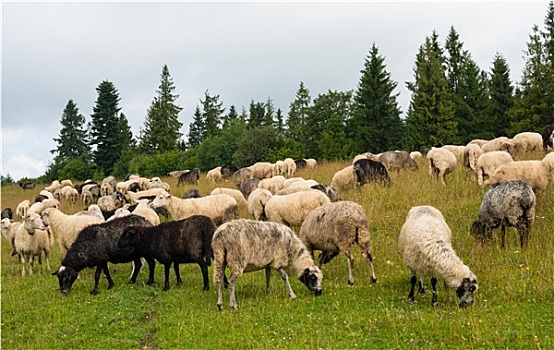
[464,293]
[312,278]
[66,277]
[481,231]
[161,200]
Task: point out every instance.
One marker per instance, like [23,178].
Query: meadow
[514,306]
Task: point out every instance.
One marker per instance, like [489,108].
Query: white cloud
[20,166]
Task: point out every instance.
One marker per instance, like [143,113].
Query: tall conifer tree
[197,130]
[501,94]
[72,142]
[298,112]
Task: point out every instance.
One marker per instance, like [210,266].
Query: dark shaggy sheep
[27,185]
[178,242]
[396,160]
[189,177]
[7,213]
[367,170]
[249,185]
[547,133]
[193,193]
[300,163]
[95,246]
[228,170]
[510,203]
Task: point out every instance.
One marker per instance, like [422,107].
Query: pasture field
[514,306]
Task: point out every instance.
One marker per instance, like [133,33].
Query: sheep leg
[108,276]
[350,259]
[31,261]
[369,258]
[22,259]
[413,281]
[503,235]
[205,279]
[232,281]
[151,267]
[177,273]
[421,289]
[47,258]
[96,279]
[137,264]
[287,284]
[267,278]
[167,267]
[434,286]
[523,231]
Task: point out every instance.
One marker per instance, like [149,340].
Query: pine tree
[454,60]
[106,127]
[229,117]
[502,96]
[375,125]
[279,122]
[430,119]
[212,113]
[298,112]
[548,38]
[161,127]
[257,114]
[197,130]
[72,142]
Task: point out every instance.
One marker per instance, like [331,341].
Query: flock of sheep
[122,222]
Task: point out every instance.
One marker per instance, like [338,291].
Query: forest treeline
[452,101]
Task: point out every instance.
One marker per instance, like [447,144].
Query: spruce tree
[229,117]
[106,127]
[72,142]
[161,127]
[298,112]
[501,95]
[375,125]
[212,114]
[548,38]
[256,115]
[430,118]
[197,130]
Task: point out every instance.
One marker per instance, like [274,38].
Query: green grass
[514,306]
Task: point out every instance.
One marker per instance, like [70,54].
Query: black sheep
[178,242]
[7,214]
[189,177]
[300,163]
[368,170]
[95,246]
[27,185]
[546,134]
[228,170]
[192,193]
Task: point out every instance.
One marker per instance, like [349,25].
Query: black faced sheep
[425,243]
[300,163]
[95,246]
[511,203]
[189,177]
[178,242]
[367,170]
[7,213]
[249,245]
[27,185]
[546,133]
[329,190]
[228,170]
[333,229]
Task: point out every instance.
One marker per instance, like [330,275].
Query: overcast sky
[54,52]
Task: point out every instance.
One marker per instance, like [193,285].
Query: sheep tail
[208,251]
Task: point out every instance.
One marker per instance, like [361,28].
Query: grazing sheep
[537,173]
[176,242]
[53,187]
[67,227]
[441,163]
[134,197]
[396,160]
[425,243]
[344,178]
[177,173]
[262,170]
[87,197]
[488,162]
[7,213]
[511,203]
[247,186]
[366,155]
[333,229]
[458,152]
[38,207]
[292,209]
[27,185]
[499,144]
[111,202]
[9,228]
[527,142]
[257,201]
[367,170]
[289,167]
[221,208]
[240,175]
[106,189]
[31,239]
[249,245]
[273,184]
[236,194]
[300,163]
[415,155]
[71,195]
[279,168]
[214,175]
[143,209]
[95,246]
[478,142]
[190,177]
[472,152]
[311,163]
[228,170]
[156,182]
[22,208]
[192,193]
[546,134]
[329,190]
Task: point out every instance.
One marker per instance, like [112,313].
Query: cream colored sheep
[30,240]
[145,210]
[280,168]
[53,187]
[499,144]
[458,151]
[333,229]
[441,163]
[273,184]
[472,152]
[415,155]
[289,167]
[425,244]
[526,142]
[311,163]
[214,175]
[262,170]
[236,194]
[257,201]
[22,208]
[488,162]
[133,197]
[344,179]
[292,209]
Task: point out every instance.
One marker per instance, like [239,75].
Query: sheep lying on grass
[249,245]
[425,245]
[511,203]
[178,242]
[95,246]
[221,207]
[334,228]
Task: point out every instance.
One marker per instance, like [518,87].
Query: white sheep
[221,208]
[30,240]
[133,197]
[416,155]
[344,178]
[47,194]
[441,163]
[236,194]
[22,208]
[145,210]
[499,144]
[9,228]
[366,155]
[214,175]
[66,182]
[527,142]
[71,195]
[257,201]
[87,197]
[537,173]
[249,245]
[273,184]
[488,162]
[38,207]
[292,209]
[472,152]
[478,142]
[67,227]
[280,168]
[262,170]
[458,152]
[289,167]
[311,163]
[425,244]
[53,187]
[333,229]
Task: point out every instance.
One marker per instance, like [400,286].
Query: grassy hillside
[514,306]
